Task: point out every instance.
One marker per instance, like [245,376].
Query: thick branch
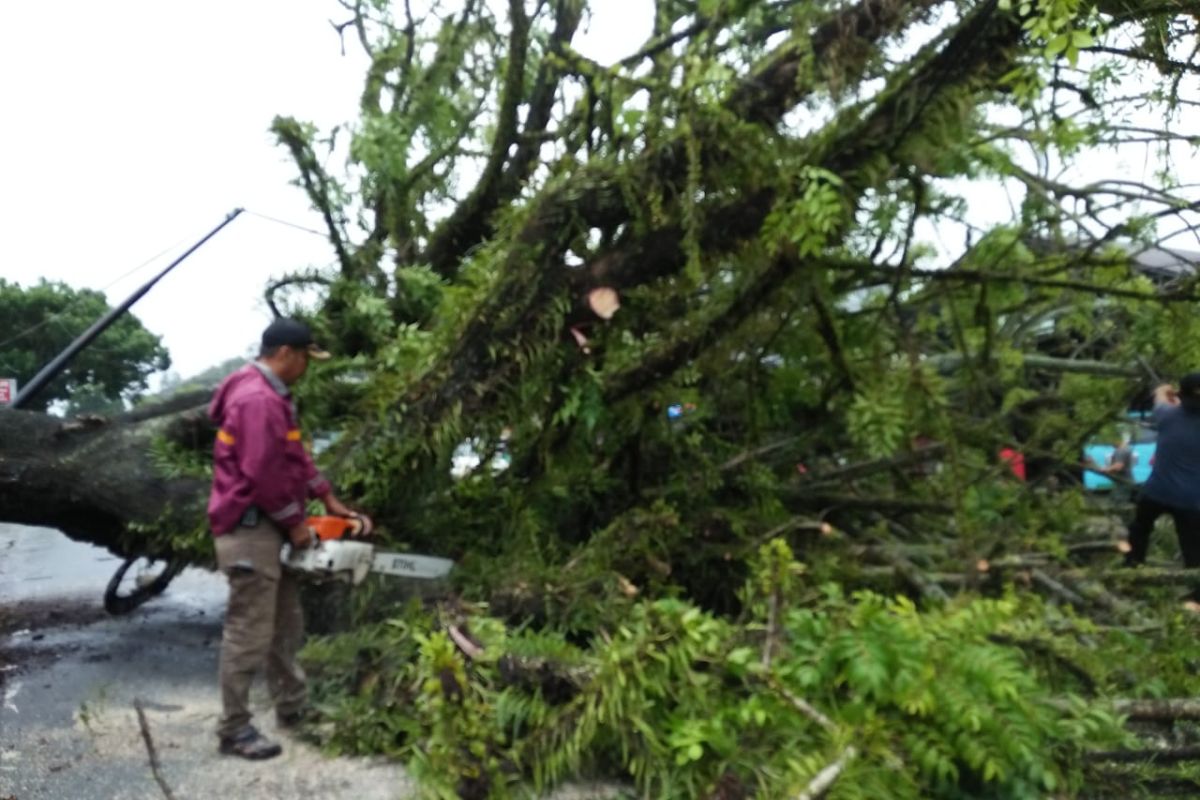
[914,576]
[983,277]
[949,362]
[886,505]
[1161,62]
[1169,755]
[317,185]
[503,176]
[1164,710]
[294,280]
[485,355]
[863,468]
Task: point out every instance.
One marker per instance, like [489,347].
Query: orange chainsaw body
[331,528]
[342,552]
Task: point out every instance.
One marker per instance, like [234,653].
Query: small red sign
[8,389]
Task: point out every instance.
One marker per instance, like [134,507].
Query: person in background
[1174,484]
[262,479]
[1119,468]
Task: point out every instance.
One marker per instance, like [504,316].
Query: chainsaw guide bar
[353,561]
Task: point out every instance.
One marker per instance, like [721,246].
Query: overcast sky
[134,126]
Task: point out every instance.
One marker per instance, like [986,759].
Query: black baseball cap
[286,332]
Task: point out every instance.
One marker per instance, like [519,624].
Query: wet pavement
[72,678]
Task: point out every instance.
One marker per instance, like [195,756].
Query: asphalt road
[72,679]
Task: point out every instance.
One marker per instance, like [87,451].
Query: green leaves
[878,422]
[1063,26]
[581,401]
[808,221]
[678,700]
[840,316]
[37,322]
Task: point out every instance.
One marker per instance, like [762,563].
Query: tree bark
[1157,756]
[91,477]
[1164,710]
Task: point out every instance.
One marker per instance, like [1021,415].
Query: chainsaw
[335,554]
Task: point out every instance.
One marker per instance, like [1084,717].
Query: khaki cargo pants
[264,626]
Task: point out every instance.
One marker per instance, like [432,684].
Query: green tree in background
[172,383]
[38,322]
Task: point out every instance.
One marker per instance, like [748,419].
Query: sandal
[250,744]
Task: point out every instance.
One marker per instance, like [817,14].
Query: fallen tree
[106,480]
[685,311]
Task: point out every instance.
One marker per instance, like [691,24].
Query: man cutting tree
[262,479]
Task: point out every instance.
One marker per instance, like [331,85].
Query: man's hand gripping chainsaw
[338,552]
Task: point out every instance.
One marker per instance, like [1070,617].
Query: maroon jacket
[258,458]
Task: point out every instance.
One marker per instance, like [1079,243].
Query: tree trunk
[94,477]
